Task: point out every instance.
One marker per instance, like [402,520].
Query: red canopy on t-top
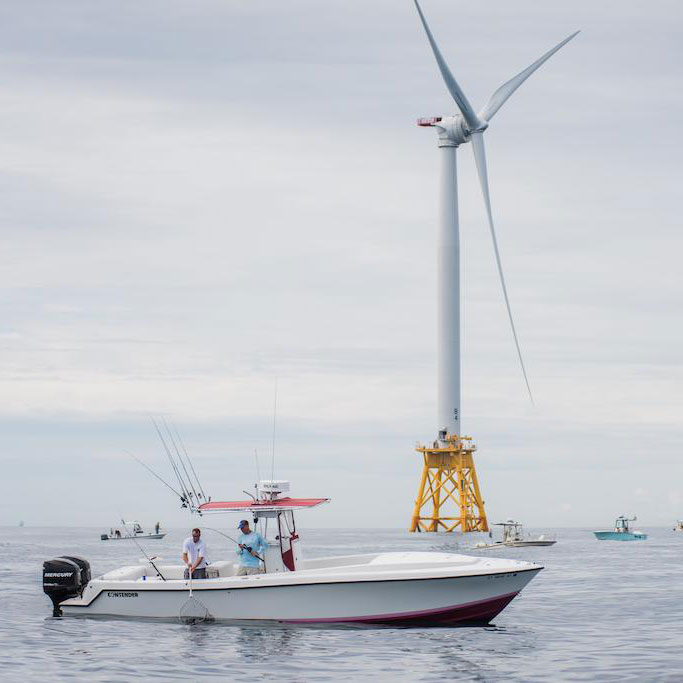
[265,505]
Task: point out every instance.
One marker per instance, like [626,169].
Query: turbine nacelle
[453,130]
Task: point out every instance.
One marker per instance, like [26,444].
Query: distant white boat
[679,525]
[513,537]
[137,532]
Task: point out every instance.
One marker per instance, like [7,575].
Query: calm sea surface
[600,611]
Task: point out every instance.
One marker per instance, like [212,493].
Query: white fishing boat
[134,532]
[513,537]
[679,525]
[392,587]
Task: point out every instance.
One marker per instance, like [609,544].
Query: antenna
[258,469]
[272,463]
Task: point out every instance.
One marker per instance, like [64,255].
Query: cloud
[200,198]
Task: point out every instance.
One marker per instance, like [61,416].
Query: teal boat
[621,531]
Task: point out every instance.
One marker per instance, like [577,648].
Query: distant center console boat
[621,531]
[116,534]
[376,588]
[513,537]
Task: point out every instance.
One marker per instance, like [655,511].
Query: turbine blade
[500,97]
[454,89]
[480,160]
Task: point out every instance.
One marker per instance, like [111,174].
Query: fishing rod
[187,455]
[241,545]
[171,459]
[149,559]
[189,478]
[186,496]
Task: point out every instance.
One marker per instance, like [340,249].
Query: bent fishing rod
[241,545]
[149,559]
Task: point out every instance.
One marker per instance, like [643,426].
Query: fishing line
[151,471]
[230,538]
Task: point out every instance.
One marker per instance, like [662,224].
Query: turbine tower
[448,474]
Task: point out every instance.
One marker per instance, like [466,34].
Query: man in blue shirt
[251,545]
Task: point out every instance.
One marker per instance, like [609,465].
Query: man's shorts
[196,574]
[248,571]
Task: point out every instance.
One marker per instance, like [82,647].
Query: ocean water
[602,611]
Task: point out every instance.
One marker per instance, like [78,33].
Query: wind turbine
[448,470]
[467,126]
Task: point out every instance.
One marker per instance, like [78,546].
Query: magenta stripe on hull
[479,611]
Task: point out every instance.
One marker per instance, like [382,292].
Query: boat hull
[443,600]
[619,536]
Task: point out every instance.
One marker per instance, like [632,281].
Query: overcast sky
[197,198]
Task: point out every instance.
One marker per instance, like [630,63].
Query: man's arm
[186,554]
[197,562]
[262,545]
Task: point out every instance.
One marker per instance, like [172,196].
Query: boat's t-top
[273,513]
[621,524]
[512,531]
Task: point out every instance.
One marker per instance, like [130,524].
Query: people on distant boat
[156,528]
[251,545]
[194,555]
[117,533]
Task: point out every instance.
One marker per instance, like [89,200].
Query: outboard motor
[64,578]
[85,568]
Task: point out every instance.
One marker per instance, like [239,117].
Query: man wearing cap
[251,545]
